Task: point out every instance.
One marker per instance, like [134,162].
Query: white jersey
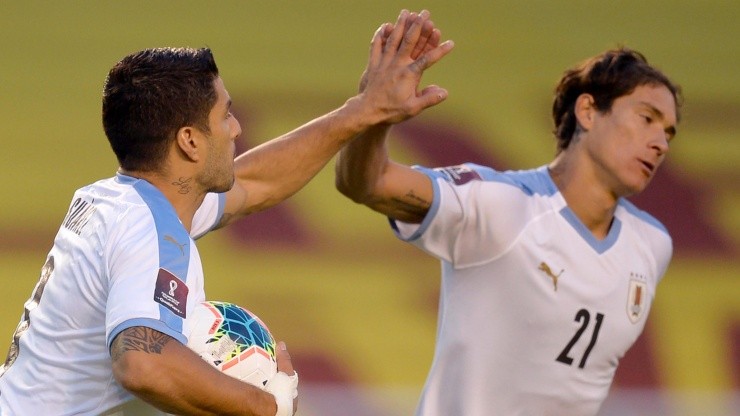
[121,258]
[535,312]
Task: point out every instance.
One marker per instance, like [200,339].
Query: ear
[585,111]
[188,143]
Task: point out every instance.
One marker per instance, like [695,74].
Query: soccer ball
[234,340]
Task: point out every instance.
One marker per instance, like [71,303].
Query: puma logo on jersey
[548,271]
[172,240]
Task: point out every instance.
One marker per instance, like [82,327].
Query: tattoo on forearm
[420,202]
[184,184]
[139,339]
[412,203]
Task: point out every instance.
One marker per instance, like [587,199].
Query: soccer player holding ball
[548,274]
[108,319]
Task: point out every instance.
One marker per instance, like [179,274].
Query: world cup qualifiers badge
[171,292]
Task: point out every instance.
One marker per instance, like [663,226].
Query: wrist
[284,388]
[364,112]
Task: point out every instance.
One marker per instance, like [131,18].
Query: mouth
[649,167]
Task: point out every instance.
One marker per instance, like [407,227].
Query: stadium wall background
[321,268]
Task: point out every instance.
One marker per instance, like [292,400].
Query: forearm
[361,163]
[277,169]
[366,174]
[214,393]
[164,377]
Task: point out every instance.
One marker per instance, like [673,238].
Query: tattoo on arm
[417,201]
[184,184]
[139,339]
[412,204]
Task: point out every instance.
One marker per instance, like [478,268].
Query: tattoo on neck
[184,184]
[139,339]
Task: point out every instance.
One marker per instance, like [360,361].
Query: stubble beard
[217,178]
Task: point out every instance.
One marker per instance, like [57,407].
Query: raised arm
[365,173]
[275,170]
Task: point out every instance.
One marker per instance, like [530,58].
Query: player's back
[59,350]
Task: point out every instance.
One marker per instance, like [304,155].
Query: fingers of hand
[414,34]
[387,29]
[432,95]
[394,39]
[377,45]
[378,42]
[432,57]
[434,39]
[282,357]
[427,39]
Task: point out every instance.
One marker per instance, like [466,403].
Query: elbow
[356,194]
[343,188]
[134,374]
[343,180]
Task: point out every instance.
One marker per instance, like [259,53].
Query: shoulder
[647,233]
[648,236]
[105,205]
[642,219]
[128,208]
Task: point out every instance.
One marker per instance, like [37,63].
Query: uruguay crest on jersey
[636,300]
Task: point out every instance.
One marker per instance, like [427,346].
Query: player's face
[632,140]
[218,173]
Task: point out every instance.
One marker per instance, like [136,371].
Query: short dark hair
[149,95]
[606,77]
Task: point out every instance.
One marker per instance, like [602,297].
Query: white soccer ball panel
[233,340]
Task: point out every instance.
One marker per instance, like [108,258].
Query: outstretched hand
[428,39]
[399,55]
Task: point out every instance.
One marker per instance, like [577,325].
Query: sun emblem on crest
[636,300]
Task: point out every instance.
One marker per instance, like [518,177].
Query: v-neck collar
[600,246]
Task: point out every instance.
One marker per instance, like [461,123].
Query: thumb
[431,96]
[282,357]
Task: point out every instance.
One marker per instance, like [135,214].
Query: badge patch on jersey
[171,292]
[636,300]
[460,174]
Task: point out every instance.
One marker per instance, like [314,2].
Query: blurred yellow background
[357,307]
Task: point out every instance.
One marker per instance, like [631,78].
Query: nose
[660,143]
[237,128]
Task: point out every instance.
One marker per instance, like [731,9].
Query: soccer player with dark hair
[108,319]
[548,274]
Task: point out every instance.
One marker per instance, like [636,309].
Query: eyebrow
[226,109]
[671,130]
